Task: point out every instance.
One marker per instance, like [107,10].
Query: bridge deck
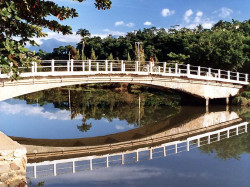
[91,162]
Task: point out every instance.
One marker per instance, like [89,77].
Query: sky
[129,15]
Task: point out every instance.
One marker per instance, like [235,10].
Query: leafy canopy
[22,20]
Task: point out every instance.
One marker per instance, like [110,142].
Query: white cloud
[225,12]
[187,15]
[198,16]
[148,23]
[108,32]
[118,23]
[207,25]
[118,173]
[29,110]
[130,24]
[166,12]
[199,19]
[119,127]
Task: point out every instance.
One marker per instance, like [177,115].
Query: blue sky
[129,15]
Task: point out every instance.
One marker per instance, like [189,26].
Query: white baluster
[97,67]
[122,159]
[151,153]
[35,67]
[176,148]
[83,66]
[228,75]
[52,65]
[137,67]
[150,67]
[164,151]
[137,156]
[32,68]
[72,65]
[106,65]
[164,67]
[90,164]
[54,169]
[111,66]
[68,66]
[35,172]
[107,161]
[122,66]
[73,167]
[199,71]
[89,65]
[188,69]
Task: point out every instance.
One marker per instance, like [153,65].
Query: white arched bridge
[199,81]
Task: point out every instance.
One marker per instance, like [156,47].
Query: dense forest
[226,45]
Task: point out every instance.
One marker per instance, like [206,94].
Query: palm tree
[83,33]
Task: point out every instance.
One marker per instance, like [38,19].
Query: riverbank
[243,99]
[13,162]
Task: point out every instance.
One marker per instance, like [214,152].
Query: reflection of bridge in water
[73,165]
[201,130]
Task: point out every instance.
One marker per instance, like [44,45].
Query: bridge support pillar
[227,100]
[207,105]
[207,101]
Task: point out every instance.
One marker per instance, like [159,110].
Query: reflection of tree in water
[110,102]
[84,127]
[229,148]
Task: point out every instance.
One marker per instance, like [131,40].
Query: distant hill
[50,44]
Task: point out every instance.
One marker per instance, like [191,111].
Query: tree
[25,19]
[129,58]
[110,57]
[93,56]
[83,33]
[84,127]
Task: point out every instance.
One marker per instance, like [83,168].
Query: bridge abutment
[13,162]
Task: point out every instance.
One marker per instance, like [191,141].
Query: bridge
[199,81]
[73,165]
[150,135]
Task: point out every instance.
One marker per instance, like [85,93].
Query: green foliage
[25,19]
[83,33]
[178,58]
[129,58]
[93,57]
[98,100]
[225,46]
[230,148]
[110,57]
[246,94]
[239,100]
[242,99]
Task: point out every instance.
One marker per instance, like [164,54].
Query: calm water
[80,112]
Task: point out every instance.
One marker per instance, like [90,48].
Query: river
[98,115]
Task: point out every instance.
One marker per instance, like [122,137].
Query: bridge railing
[75,67]
[57,167]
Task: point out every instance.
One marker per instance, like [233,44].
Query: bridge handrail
[72,67]
[151,152]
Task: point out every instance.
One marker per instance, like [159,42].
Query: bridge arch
[194,80]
